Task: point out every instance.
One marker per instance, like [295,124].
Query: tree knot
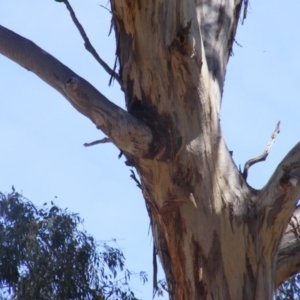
[181,42]
[72,83]
[183,32]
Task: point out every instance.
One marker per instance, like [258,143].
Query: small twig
[102,141]
[246,3]
[115,65]
[238,43]
[135,179]
[262,157]
[105,8]
[89,46]
[120,154]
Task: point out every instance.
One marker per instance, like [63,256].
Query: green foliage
[289,290]
[43,255]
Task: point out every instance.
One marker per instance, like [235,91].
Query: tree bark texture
[216,237]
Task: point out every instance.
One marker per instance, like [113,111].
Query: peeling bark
[230,222]
[217,238]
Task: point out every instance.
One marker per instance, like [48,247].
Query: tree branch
[126,132]
[277,200]
[264,155]
[288,260]
[88,45]
[102,141]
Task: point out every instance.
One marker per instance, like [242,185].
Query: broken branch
[264,155]
[102,141]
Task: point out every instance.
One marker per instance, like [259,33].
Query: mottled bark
[217,237]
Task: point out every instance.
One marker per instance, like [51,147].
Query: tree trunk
[216,237]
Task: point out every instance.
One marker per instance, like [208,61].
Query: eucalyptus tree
[45,254]
[216,236]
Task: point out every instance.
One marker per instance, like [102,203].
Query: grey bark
[217,238]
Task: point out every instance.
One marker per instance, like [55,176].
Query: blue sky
[42,136]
